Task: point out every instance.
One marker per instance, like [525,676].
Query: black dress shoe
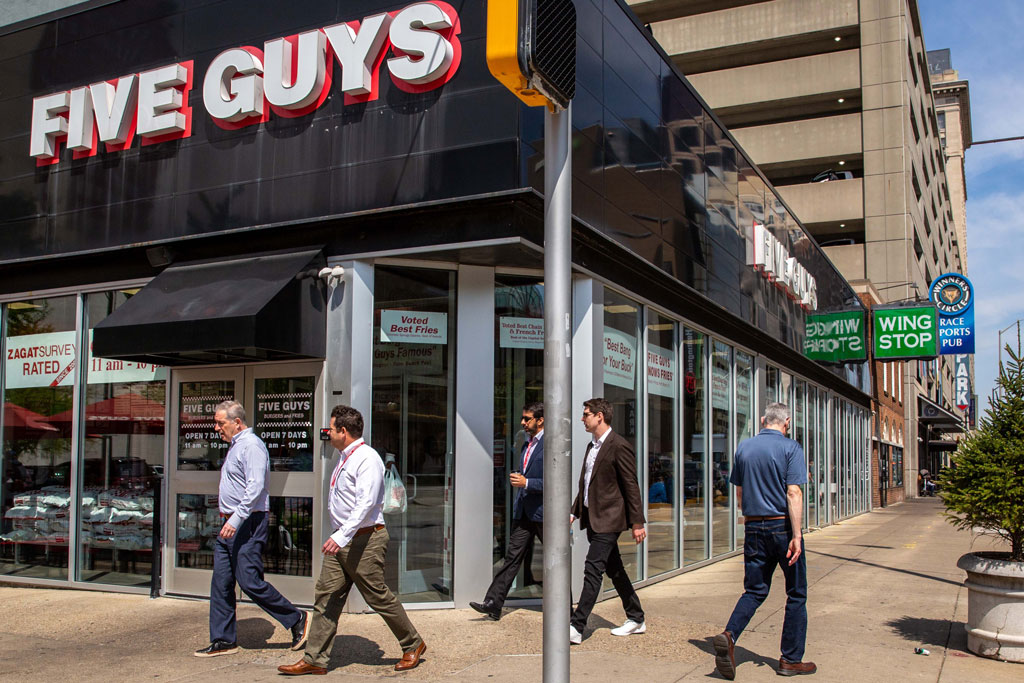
[300,632]
[216,648]
[487,607]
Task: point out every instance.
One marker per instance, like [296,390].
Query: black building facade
[369,230]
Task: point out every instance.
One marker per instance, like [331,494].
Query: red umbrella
[118,414]
[16,417]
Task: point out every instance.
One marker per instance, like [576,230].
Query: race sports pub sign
[290,76]
[953,296]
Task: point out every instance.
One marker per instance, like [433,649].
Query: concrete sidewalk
[880,585]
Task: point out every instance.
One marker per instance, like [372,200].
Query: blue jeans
[764,547]
[241,558]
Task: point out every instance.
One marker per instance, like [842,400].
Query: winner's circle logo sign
[952,293]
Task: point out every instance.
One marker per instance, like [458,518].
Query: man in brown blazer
[607,504]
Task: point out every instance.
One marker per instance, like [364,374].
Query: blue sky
[984,39]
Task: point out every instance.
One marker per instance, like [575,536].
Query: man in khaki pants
[355,552]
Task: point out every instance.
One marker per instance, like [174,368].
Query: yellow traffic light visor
[505,25]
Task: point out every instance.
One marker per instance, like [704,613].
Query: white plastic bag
[394,492]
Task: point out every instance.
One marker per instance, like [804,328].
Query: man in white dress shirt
[354,553]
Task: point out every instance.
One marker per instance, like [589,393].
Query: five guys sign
[290,76]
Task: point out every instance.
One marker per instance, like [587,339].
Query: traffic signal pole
[557,390]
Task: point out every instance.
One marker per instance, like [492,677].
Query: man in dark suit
[607,504]
[527,512]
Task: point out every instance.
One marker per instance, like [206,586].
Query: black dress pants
[603,558]
[520,543]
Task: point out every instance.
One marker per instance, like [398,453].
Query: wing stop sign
[905,332]
[836,337]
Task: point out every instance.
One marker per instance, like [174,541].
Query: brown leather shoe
[725,660]
[795,668]
[301,668]
[411,659]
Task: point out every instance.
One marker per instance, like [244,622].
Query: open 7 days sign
[291,76]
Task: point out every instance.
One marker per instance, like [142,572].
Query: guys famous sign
[289,76]
[953,296]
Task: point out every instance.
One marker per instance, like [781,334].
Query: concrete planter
[995,607]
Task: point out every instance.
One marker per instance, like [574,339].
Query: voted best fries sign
[907,332]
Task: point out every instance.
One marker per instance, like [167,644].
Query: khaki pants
[361,562]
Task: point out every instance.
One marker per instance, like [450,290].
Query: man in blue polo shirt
[767,472]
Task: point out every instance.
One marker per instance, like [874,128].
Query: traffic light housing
[531,49]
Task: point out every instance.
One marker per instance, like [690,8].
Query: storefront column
[348,375]
[587,378]
[474,434]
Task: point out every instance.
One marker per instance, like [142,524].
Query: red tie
[529,452]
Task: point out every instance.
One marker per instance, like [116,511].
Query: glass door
[282,408]
[419,535]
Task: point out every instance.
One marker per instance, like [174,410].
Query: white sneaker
[575,637]
[629,628]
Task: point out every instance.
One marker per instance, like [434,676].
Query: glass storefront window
[825,455]
[746,417]
[771,384]
[662,438]
[518,380]
[289,548]
[799,427]
[721,452]
[621,329]
[199,445]
[40,359]
[694,448]
[283,418]
[812,452]
[413,422]
[122,456]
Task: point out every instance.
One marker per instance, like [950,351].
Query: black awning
[258,308]
[931,413]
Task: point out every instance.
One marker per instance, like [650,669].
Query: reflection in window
[746,419]
[198,522]
[694,448]
[518,380]
[413,421]
[199,445]
[771,384]
[283,419]
[122,452]
[289,548]
[799,430]
[621,325]
[662,456]
[39,383]
[812,453]
[721,462]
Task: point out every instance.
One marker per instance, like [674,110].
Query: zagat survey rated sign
[290,76]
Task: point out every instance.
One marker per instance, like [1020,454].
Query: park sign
[836,337]
[905,332]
